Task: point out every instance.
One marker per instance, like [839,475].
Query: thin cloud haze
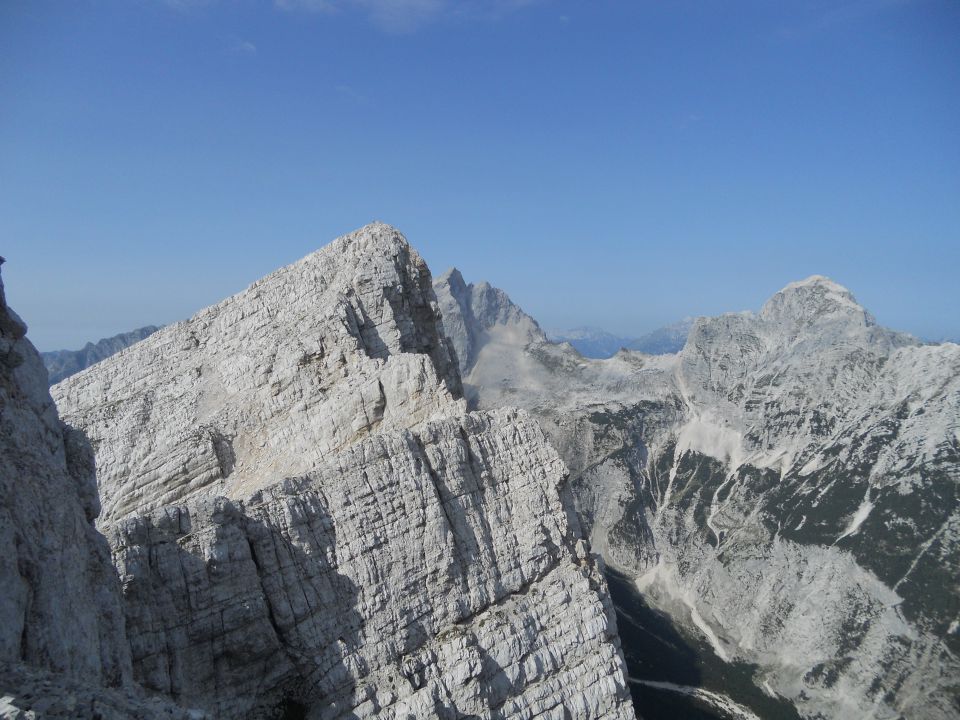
[406,16]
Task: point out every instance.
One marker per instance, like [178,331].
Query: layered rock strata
[307,523]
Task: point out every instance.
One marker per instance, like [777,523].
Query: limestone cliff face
[306,521]
[59,596]
[63,650]
[268,382]
[786,488]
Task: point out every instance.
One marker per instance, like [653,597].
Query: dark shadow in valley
[658,651]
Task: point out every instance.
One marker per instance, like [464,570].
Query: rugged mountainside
[600,344]
[64,363]
[62,639]
[59,598]
[480,318]
[294,492]
[786,487]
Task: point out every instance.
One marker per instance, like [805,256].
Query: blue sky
[620,164]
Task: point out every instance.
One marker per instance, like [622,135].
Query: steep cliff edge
[63,649]
[308,523]
[59,596]
[786,488]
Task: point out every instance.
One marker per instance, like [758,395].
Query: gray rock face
[61,364]
[62,636]
[269,382]
[307,522]
[786,488]
[59,596]
[479,315]
[29,693]
[440,582]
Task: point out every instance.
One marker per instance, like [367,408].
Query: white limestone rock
[270,381]
[305,518]
[787,486]
[63,649]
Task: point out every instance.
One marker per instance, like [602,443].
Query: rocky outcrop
[420,574]
[63,649]
[61,364]
[59,596]
[294,493]
[787,489]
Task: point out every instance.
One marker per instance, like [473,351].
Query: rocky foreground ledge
[305,520]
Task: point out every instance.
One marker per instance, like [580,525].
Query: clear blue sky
[620,164]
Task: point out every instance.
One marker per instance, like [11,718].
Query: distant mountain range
[596,343]
[64,363]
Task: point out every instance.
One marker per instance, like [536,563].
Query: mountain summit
[815,300]
[294,493]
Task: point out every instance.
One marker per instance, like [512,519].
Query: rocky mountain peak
[453,278]
[784,488]
[471,313]
[815,300]
[308,523]
[343,342]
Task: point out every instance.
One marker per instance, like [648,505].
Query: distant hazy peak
[452,277]
[470,311]
[61,364]
[593,342]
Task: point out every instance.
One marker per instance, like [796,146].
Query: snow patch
[858,517]
[731,709]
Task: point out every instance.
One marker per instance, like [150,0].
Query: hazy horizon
[550,329]
[617,165]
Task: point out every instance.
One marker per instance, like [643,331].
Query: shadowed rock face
[62,639]
[294,493]
[59,597]
[786,488]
